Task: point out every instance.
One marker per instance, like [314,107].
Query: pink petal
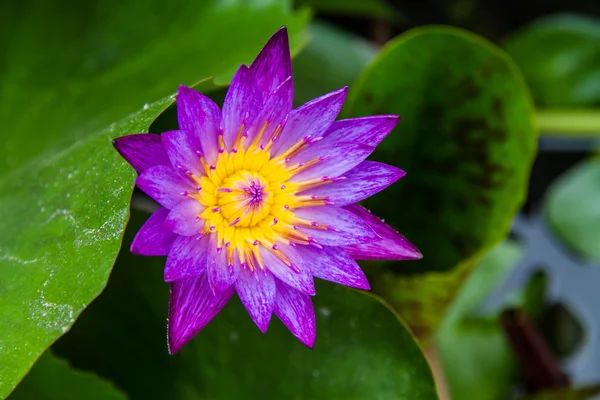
[296,311]
[392,245]
[153,239]
[220,275]
[257,292]
[142,151]
[369,131]
[187,258]
[344,227]
[337,159]
[184,218]
[274,112]
[165,185]
[363,181]
[335,265]
[242,104]
[311,119]
[183,153]
[273,65]
[199,116]
[192,306]
[297,276]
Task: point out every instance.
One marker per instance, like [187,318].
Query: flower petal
[392,245]
[242,104]
[199,116]
[343,226]
[335,265]
[142,151]
[183,218]
[183,153]
[272,116]
[187,258]
[366,130]
[191,307]
[336,159]
[165,185]
[220,275]
[273,64]
[297,276]
[311,119]
[153,239]
[256,290]
[296,311]
[362,181]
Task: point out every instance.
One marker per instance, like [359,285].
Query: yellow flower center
[250,200]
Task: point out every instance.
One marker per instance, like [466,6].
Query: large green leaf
[77,67]
[560,59]
[362,350]
[51,379]
[572,208]
[67,79]
[467,141]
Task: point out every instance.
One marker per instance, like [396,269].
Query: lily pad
[64,192]
[573,210]
[467,141]
[52,378]
[362,351]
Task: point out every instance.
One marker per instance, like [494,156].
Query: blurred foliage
[360,8]
[572,208]
[559,57]
[331,60]
[569,122]
[52,379]
[70,73]
[467,141]
[583,393]
[362,350]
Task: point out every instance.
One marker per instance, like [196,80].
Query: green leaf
[581,393]
[362,350]
[466,139]
[569,123]
[559,57]
[66,74]
[51,378]
[359,8]
[331,60]
[68,78]
[487,366]
[573,210]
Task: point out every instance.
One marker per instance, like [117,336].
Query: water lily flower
[259,198]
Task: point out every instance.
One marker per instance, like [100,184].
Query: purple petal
[343,227]
[274,113]
[142,151]
[182,153]
[184,218]
[392,245]
[153,239]
[257,292]
[337,159]
[165,185]
[220,275]
[191,307]
[187,258]
[297,276]
[363,181]
[311,119]
[199,116]
[242,104]
[296,311]
[366,130]
[335,265]
[273,65]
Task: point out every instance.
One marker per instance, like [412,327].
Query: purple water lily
[258,199]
